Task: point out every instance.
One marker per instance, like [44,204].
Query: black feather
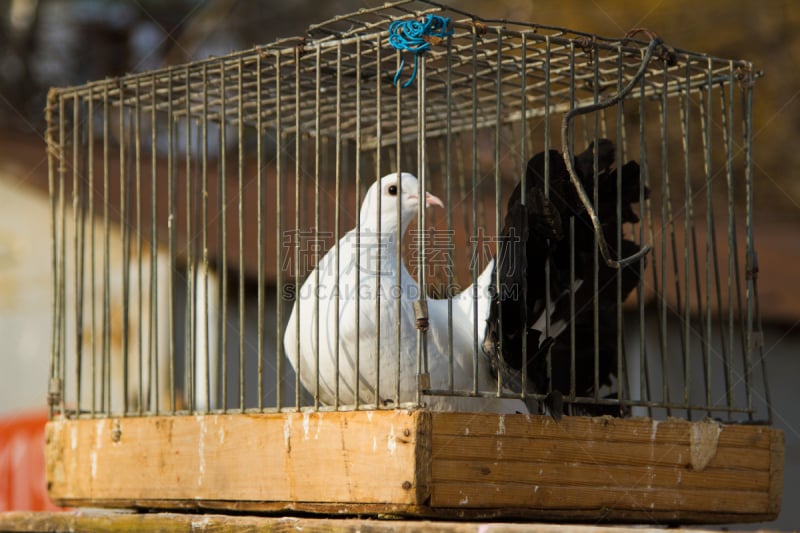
[536,234]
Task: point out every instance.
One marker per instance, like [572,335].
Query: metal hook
[569,157]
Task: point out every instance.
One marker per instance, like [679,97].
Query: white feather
[347,346]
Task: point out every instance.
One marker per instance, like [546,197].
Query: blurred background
[69,42]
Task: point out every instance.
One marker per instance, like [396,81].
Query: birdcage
[207,217]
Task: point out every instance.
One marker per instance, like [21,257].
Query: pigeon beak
[432,200]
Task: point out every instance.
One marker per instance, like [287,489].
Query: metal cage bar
[180,221]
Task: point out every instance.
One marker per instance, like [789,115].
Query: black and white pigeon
[317,356]
[537,234]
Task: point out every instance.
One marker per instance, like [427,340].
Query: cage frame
[68,463]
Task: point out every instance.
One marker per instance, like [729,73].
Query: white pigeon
[317,350]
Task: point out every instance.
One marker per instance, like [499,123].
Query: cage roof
[337,79]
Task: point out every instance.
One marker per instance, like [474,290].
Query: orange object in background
[22,467]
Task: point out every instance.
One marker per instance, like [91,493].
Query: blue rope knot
[417,37]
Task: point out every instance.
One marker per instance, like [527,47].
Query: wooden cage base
[422,464]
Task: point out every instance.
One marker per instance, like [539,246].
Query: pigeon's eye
[392,190]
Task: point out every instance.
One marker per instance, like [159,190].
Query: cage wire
[190,203]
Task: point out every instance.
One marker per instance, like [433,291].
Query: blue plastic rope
[414,36]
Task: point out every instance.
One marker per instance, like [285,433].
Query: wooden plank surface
[594,475]
[358,457]
[776,472]
[568,450]
[514,495]
[635,430]
[102,522]
[612,466]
